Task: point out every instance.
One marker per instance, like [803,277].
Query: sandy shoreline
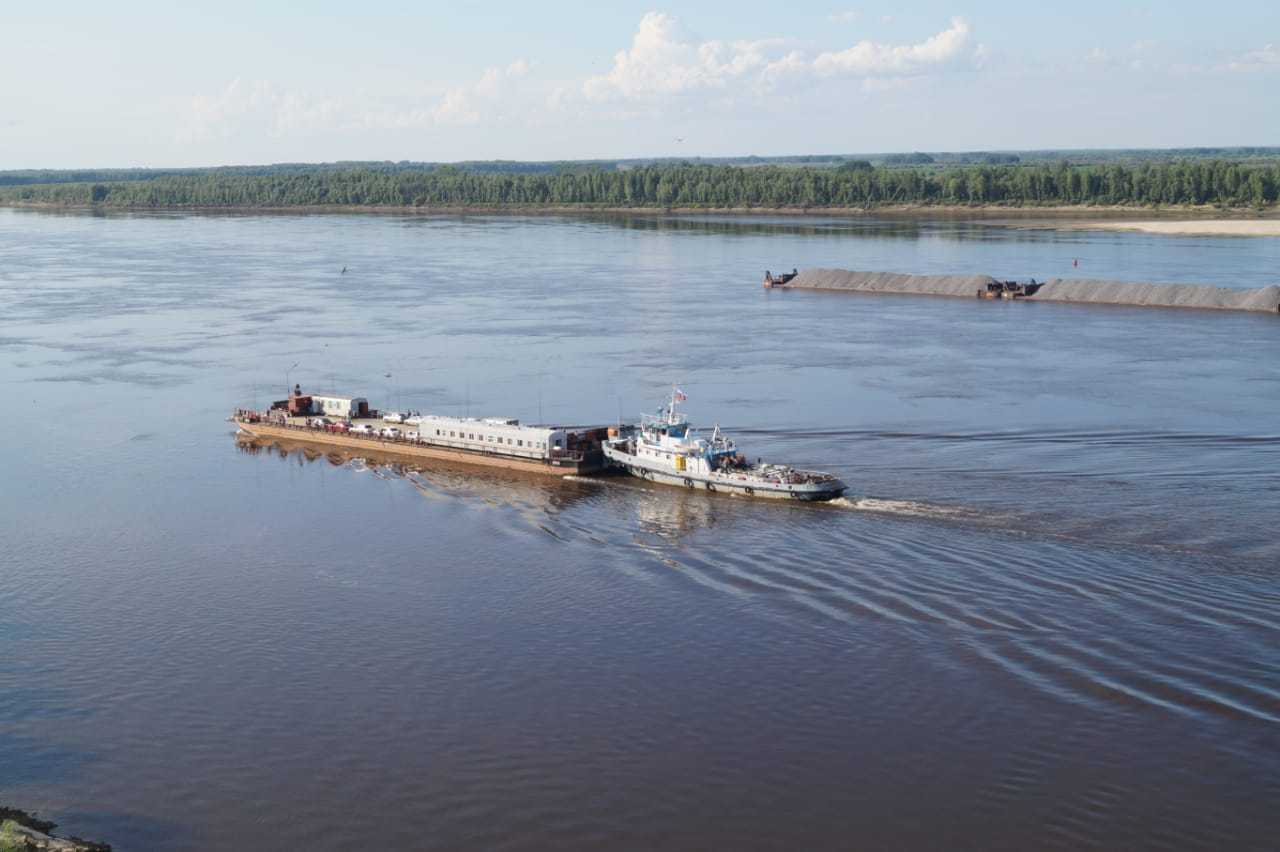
[1189,227]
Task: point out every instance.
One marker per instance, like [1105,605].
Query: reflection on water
[672,514]
[435,479]
[770,226]
[1050,589]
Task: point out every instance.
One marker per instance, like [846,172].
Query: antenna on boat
[677,395]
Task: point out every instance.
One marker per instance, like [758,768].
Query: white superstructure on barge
[488,441]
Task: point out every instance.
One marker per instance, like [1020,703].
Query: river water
[1046,616]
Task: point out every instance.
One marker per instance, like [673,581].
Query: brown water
[1046,616]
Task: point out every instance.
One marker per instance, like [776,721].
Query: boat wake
[910,508]
[590,480]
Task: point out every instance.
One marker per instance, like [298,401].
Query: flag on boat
[679,395]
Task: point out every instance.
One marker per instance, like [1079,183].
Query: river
[1046,615]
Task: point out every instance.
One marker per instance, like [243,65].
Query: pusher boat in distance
[663,448]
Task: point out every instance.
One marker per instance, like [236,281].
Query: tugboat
[771,280]
[662,448]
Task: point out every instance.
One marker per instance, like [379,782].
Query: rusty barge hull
[404,451]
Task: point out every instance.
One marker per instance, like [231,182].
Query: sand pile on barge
[1093,292]
[1160,295]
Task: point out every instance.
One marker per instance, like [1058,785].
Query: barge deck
[402,449]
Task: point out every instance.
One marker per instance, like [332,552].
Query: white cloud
[1266,59]
[664,61]
[847,17]
[217,115]
[663,68]
[486,98]
[1152,58]
[868,58]
[260,106]
[263,108]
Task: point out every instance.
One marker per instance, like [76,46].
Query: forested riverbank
[853,185]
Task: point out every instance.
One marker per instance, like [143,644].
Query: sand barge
[1091,292]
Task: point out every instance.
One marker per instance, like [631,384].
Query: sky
[163,84]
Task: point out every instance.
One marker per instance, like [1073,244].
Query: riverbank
[24,832]
[1148,215]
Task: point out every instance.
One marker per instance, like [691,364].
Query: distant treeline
[936,160]
[859,185]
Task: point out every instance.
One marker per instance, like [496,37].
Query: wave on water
[1121,630]
[910,508]
[1121,437]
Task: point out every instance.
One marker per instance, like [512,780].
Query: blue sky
[166,84]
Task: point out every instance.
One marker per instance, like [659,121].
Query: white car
[415,420]
[362,429]
[389,432]
[393,417]
[411,436]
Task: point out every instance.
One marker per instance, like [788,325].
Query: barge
[485,441]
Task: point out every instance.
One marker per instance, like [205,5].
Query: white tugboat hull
[740,485]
